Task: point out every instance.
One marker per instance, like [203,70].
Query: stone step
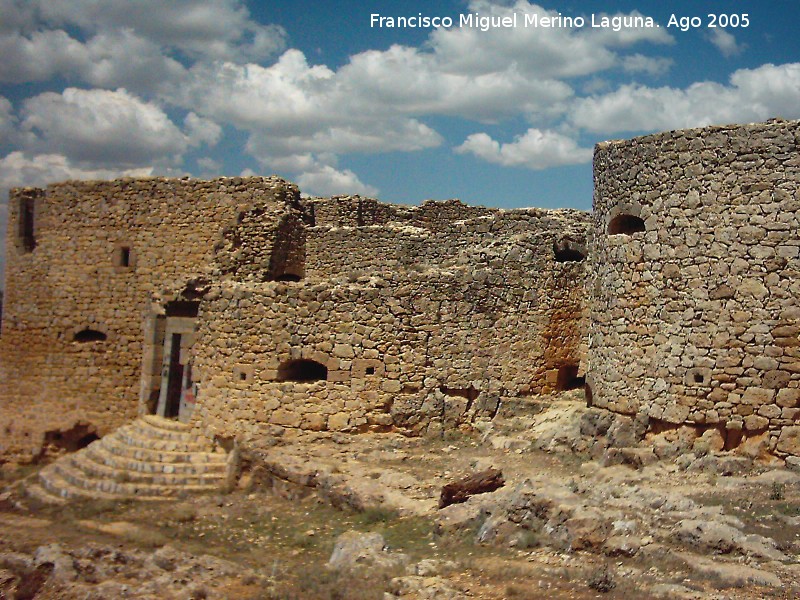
[79,479]
[134,438]
[39,493]
[150,459]
[53,483]
[168,424]
[92,469]
[100,455]
[117,447]
[145,430]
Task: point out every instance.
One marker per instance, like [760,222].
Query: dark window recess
[26,227]
[625,224]
[242,376]
[89,335]
[182,308]
[302,370]
[698,378]
[122,257]
[174,378]
[469,393]
[565,253]
[568,378]
[370,371]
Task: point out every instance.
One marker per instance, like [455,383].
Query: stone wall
[341,314]
[86,263]
[409,328]
[695,254]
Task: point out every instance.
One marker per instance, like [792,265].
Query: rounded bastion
[695,281]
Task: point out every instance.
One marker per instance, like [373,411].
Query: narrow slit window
[568,378]
[26,224]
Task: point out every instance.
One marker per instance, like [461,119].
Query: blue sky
[308,90]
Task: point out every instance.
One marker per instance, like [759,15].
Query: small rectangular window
[123,257]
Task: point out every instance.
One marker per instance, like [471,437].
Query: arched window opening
[568,378]
[302,370]
[568,252]
[625,224]
[86,440]
[89,335]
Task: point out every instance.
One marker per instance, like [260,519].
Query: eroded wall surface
[696,318]
[417,319]
[86,261]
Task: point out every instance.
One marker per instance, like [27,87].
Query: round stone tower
[695,286]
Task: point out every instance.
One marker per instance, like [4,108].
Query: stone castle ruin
[246,311]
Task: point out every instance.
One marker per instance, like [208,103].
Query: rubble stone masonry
[87,262]
[238,306]
[695,252]
[421,324]
[341,314]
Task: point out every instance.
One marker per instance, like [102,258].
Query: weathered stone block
[789,440]
[758,396]
[343,351]
[391,386]
[755,423]
[770,411]
[788,397]
[339,421]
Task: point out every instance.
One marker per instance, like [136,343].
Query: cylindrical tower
[695,263]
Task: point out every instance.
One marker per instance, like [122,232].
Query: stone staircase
[150,459]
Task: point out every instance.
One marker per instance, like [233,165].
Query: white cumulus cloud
[638,63]
[752,95]
[725,42]
[215,29]
[327,181]
[201,131]
[101,128]
[7,119]
[536,149]
[18,169]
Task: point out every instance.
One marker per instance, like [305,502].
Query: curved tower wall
[695,319]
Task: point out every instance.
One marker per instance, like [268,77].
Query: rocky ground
[584,513]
